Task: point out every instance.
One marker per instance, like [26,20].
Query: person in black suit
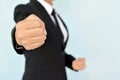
[41,35]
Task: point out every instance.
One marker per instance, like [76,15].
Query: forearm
[68,60]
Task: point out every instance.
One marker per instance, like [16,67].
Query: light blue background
[94,27]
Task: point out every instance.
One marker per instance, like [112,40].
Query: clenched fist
[30,32]
[78,64]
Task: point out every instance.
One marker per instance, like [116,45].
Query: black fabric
[55,18]
[57,25]
[48,61]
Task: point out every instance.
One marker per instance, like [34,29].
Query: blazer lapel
[67,31]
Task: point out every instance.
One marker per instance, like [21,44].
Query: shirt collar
[47,6]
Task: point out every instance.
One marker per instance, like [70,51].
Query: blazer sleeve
[68,60]
[20,13]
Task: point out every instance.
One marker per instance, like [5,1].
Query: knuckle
[18,25]
[43,23]
[44,32]
[17,37]
[38,23]
[42,42]
[20,22]
[45,37]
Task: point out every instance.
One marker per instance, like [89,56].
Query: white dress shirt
[49,10]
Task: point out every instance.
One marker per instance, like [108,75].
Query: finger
[32,44]
[17,39]
[35,32]
[19,36]
[80,66]
[29,46]
[36,45]
[29,24]
[36,39]
[23,25]
[23,34]
[24,39]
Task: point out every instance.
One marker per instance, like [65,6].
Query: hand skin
[30,32]
[79,64]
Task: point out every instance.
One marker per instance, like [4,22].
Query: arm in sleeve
[68,60]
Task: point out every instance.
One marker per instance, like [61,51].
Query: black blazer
[48,61]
